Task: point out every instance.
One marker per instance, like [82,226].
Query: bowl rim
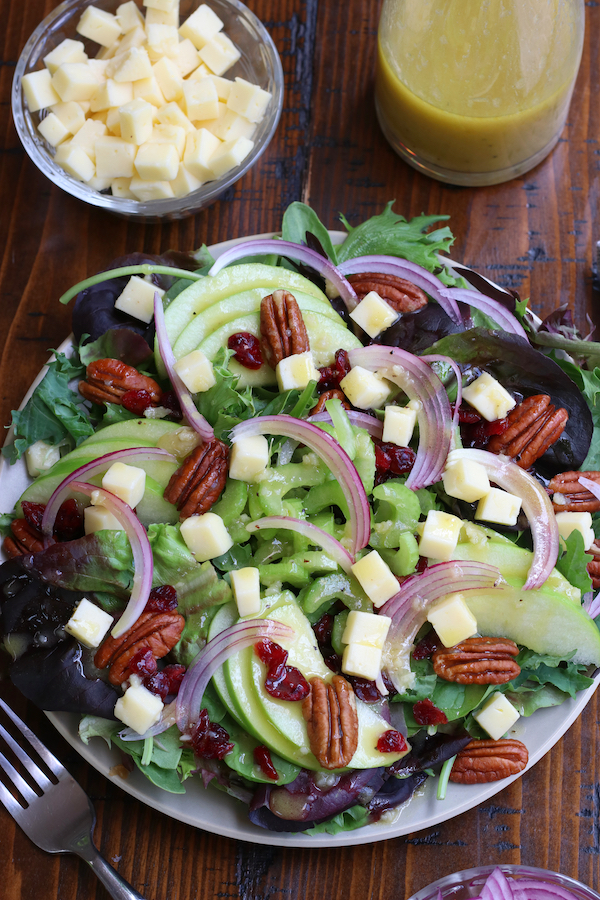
[185,205]
[455,879]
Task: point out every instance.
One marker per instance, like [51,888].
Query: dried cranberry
[364,689]
[333,662]
[392,460]
[427,645]
[421,565]
[34,513]
[170,401]
[68,524]
[426,713]
[137,402]
[270,653]
[209,739]
[466,414]
[478,436]
[162,599]
[283,682]
[142,663]
[323,629]
[263,760]
[332,375]
[392,742]
[246,349]
[167,681]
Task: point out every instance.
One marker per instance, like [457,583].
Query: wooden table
[536,234]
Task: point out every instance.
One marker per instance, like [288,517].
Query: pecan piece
[108,379]
[593,566]
[157,632]
[24,539]
[402,295]
[199,482]
[333,394]
[331,721]
[478,660]
[533,426]
[483,761]
[570,496]
[282,328]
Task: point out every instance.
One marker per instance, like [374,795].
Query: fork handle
[116,886]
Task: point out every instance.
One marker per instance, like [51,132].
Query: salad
[312,523]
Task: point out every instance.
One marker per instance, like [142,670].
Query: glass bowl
[259,64]
[468,883]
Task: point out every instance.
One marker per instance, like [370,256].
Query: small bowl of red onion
[506,882]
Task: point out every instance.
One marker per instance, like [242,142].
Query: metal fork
[61,819]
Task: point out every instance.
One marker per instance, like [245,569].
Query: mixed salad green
[233,688]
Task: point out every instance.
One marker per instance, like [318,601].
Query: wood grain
[536,234]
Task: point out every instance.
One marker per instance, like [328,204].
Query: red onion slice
[89,470]
[361,420]
[168,717]
[592,487]
[337,460]
[294,251]
[420,383]
[393,265]
[536,506]
[143,564]
[313,533]
[492,308]
[458,375]
[497,887]
[213,655]
[196,420]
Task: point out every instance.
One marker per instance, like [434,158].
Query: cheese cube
[184,183]
[372,314]
[128,483]
[376,578]
[576,521]
[366,628]
[135,121]
[168,78]
[74,161]
[156,162]
[466,480]
[39,457]
[150,190]
[452,619]
[172,135]
[196,371]
[129,17]
[249,458]
[163,40]
[296,371]
[398,424]
[137,298]
[246,590]
[67,51]
[201,72]
[499,507]
[99,184]
[496,716]
[120,188]
[212,124]
[199,147]
[163,5]
[162,17]
[488,397]
[228,126]
[111,93]
[70,114]
[365,389]
[39,90]
[219,54]
[223,86]
[440,535]
[186,58]
[148,89]
[99,26]
[133,66]
[139,708]
[362,661]
[250,101]
[201,27]
[201,99]
[114,157]
[98,518]
[135,38]
[206,536]
[89,623]
[172,114]
[88,134]
[53,130]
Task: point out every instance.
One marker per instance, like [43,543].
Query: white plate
[220,814]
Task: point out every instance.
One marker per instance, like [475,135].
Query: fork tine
[40,778]
[51,761]
[20,784]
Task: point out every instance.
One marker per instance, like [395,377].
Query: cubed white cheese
[245,584]
[466,480]
[156,162]
[133,65]
[201,26]
[184,183]
[365,389]
[223,86]
[362,661]
[249,458]
[98,518]
[196,371]
[70,114]
[229,155]
[114,157]
[89,623]
[576,521]
[138,708]
[219,54]
[53,130]
[39,90]
[68,51]
[201,99]
[129,17]
[169,79]
[163,5]
[376,578]
[172,114]
[169,134]
[199,147]
[150,190]
[496,716]
[398,424]
[229,126]
[126,482]
[186,58]
[135,121]
[499,507]
[99,26]
[148,89]
[74,161]
[111,93]
[88,134]
[488,397]
[39,457]
[440,535]
[162,17]
[366,628]
[206,536]
[137,298]
[120,188]
[452,619]
[163,40]
[296,371]
[372,314]
[250,101]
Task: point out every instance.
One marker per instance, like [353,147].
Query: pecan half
[157,632]
[570,496]
[533,426]
[24,538]
[108,379]
[333,394]
[331,721]
[402,295]
[593,566]
[483,761]
[282,328]
[478,660]
[199,482]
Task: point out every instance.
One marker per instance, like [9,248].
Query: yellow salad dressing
[476,91]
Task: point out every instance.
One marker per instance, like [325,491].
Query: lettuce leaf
[355,817]
[573,563]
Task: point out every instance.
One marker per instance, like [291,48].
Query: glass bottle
[476,92]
